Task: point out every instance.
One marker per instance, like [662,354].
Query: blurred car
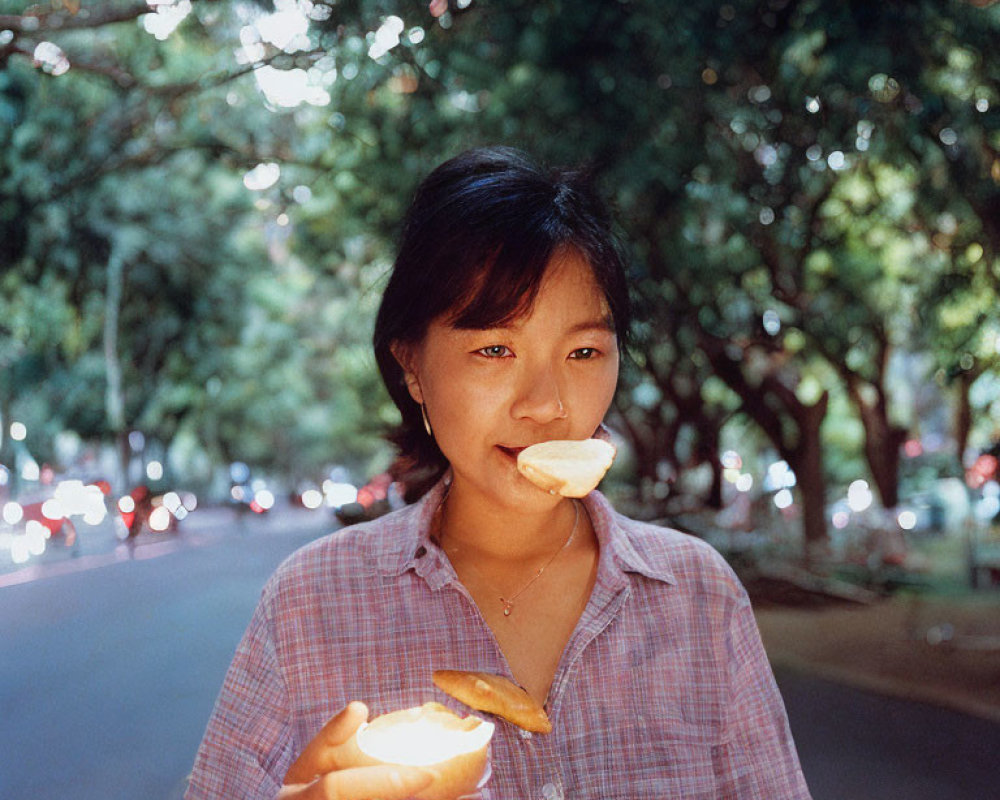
[255,497]
[28,526]
[248,494]
[26,530]
[141,510]
[379,496]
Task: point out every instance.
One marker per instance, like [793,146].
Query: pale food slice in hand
[431,736]
[571,468]
[494,694]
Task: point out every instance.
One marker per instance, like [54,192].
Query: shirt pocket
[622,750]
[674,759]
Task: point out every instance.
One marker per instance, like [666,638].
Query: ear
[405,355]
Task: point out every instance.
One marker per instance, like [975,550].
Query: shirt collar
[617,537]
[410,541]
[410,546]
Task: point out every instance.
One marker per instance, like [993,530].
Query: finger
[316,758]
[366,783]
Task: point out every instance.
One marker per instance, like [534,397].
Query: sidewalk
[938,649]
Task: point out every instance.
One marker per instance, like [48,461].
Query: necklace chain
[508,602]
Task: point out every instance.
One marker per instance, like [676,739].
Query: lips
[510,452]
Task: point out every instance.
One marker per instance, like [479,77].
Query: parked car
[31,524]
[141,510]
[379,496]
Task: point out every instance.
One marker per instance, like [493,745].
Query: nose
[539,397]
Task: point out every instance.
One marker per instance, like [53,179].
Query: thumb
[317,758]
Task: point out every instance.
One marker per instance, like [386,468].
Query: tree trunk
[708,453]
[6,453]
[963,415]
[883,441]
[806,460]
[114,396]
[801,448]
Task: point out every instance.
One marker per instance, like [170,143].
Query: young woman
[501,326]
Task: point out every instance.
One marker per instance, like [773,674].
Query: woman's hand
[315,774]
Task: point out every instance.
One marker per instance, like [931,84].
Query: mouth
[510,452]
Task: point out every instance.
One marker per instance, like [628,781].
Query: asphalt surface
[110,661]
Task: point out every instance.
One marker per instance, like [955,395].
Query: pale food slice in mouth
[569,467]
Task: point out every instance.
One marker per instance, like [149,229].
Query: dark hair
[476,241]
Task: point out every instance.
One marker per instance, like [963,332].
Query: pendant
[507,606]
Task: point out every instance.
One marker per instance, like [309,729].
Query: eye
[495,351]
[584,353]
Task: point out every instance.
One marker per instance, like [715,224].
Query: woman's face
[488,394]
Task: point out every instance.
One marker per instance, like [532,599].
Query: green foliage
[810,191]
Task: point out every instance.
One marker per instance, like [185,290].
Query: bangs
[500,288]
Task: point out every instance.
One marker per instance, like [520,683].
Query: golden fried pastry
[494,694]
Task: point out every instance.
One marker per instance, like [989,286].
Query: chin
[525,497]
[507,489]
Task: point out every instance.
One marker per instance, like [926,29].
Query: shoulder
[660,542]
[351,557]
[677,557]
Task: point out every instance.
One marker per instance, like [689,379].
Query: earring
[427,422]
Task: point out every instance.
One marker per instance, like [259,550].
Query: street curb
[889,687]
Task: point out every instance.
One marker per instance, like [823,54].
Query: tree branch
[62,19]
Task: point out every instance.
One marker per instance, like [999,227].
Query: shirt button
[526,735]
[551,792]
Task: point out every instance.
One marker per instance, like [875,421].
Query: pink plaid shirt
[663,691]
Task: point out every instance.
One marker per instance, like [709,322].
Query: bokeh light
[159,519]
[312,499]
[264,498]
[12,513]
[783,499]
[386,37]
[859,496]
[262,177]
[51,59]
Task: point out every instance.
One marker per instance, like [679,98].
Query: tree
[112,196]
[728,138]
[808,191]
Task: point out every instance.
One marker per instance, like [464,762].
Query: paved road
[108,672]
[860,746]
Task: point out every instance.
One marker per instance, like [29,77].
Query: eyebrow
[605,323]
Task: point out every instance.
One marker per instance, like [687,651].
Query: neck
[472,529]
